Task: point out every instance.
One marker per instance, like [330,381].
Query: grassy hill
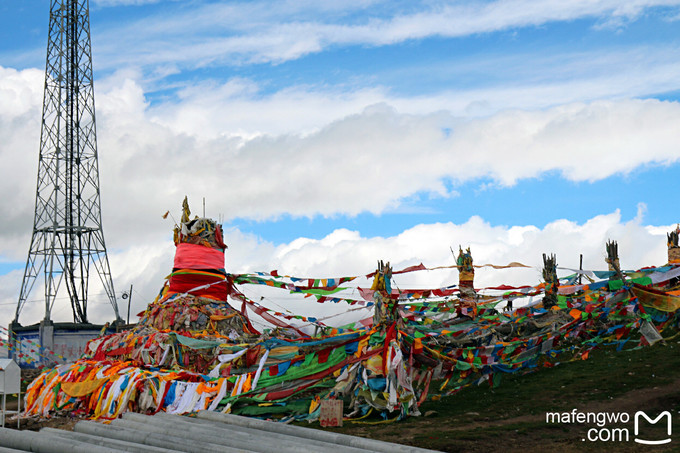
[512,417]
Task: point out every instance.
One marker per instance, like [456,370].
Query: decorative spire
[385,306]
[466,272]
[673,247]
[551,281]
[612,259]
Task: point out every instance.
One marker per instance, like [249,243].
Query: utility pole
[67,228]
[128,295]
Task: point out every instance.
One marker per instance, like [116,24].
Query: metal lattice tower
[67,228]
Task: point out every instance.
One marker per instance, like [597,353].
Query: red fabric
[265,315]
[185,283]
[324,353]
[193,256]
[417,346]
[506,287]
[418,267]
[120,351]
[218,238]
[389,336]
[366,294]
[244,312]
[251,356]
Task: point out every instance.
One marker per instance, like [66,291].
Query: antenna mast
[67,229]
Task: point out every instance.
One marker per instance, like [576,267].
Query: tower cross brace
[67,229]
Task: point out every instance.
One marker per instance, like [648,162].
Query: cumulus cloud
[338,168]
[347,253]
[353,160]
[20,110]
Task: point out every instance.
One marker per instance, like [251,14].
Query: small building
[10,384]
[47,343]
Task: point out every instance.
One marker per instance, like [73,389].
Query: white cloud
[337,168]
[257,32]
[265,156]
[20,110]
[241,108]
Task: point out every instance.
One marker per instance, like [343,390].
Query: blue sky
[299,120]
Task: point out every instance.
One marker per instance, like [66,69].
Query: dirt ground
[525,433]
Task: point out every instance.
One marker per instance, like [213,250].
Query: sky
[328,135]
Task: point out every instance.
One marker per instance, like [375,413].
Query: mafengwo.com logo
[642,428]
[665,415]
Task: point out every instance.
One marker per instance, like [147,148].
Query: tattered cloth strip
[650,333]
[264,313]
[660,276]
[314,286]
[82,388]
[195,343]
[422,267]
[368,293]
[506,266]
[659,300]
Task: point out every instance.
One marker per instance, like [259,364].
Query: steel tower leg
[67,229]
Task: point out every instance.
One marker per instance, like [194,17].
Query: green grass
[473,419]
[606,374]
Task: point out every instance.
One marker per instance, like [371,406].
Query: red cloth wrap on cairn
[199,260]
